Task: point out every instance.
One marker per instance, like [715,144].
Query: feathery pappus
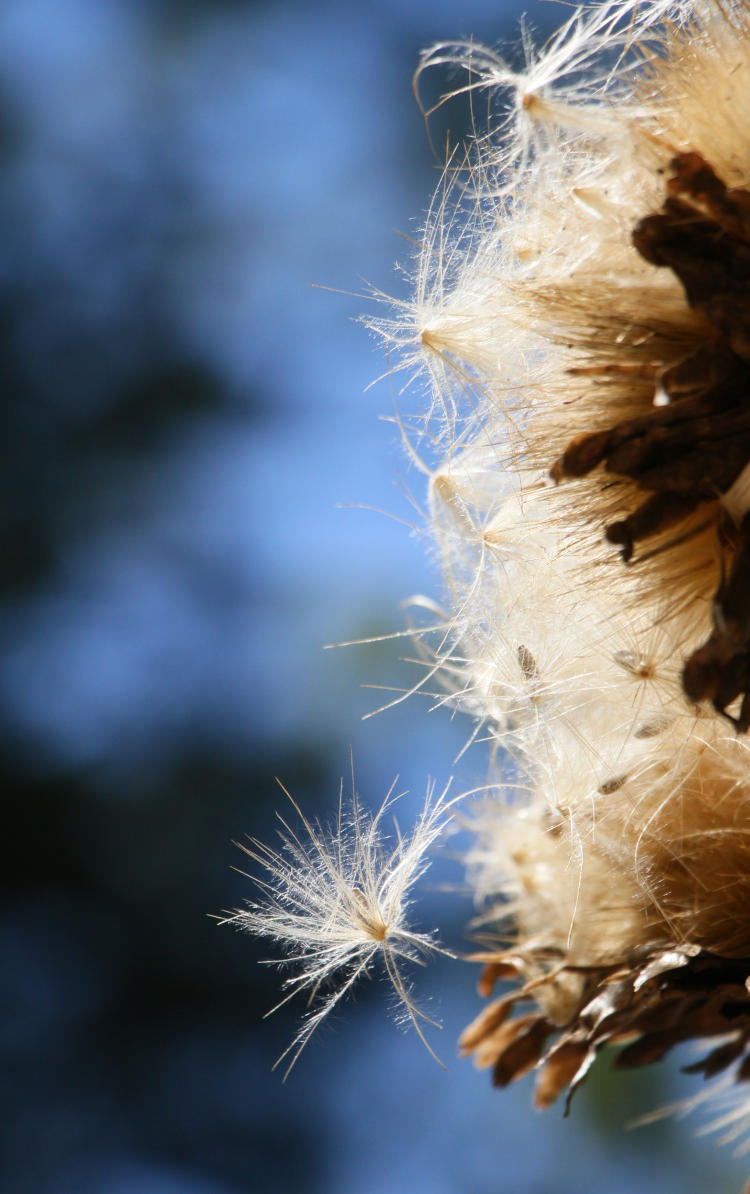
[336,901]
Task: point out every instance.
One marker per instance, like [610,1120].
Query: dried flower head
[336,901]
[582,316]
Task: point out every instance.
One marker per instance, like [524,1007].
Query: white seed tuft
[336,902]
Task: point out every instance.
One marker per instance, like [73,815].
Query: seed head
[582,299]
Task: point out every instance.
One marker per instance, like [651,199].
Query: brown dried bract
[692,447]
[661,998]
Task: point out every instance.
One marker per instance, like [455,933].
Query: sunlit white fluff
[570,85]
[336,901]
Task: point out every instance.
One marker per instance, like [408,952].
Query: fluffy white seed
[336,901]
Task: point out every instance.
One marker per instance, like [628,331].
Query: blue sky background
[195,200]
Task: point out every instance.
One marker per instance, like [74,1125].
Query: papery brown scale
[649,1048]
[718,1059]
[493,972]
[485,1024]
[527,1036]
[561,1065]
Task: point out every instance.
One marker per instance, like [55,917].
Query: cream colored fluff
[534,319]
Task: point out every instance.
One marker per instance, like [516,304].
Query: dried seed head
[581,313]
